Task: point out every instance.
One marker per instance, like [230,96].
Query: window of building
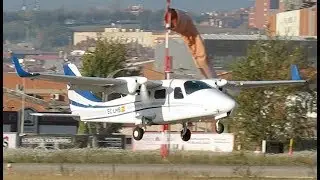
[178,93]
[160,94]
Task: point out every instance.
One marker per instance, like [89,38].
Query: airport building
[126,35]
[300,22]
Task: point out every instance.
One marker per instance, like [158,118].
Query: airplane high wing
[254,84]
[295,80]
[81,81]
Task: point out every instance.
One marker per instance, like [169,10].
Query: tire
[186,136]
[137,133]
[221,128]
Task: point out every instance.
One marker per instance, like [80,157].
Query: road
[275,171]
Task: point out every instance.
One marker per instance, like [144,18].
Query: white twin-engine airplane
[149,102]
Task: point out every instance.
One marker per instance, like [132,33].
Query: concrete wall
[288,23]
[82,36]
[146,39]
[294,23]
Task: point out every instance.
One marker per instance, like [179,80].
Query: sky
[187,5]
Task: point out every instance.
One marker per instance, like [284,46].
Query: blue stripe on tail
[295,73]
[20,71]
[86,94]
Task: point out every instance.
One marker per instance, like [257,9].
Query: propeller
[135,84]
[220,83]
[144,94]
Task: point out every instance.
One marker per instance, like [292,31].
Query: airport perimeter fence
[275,147]
[53,141]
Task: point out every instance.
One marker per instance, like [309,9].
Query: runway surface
[275,171]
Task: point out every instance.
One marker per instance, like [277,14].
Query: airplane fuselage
[174,101]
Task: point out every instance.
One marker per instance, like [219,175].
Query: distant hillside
[189,5]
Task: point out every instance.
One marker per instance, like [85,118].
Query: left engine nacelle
[131,86]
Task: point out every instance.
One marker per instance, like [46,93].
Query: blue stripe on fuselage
[97,106]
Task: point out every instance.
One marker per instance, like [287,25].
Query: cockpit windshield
[193,86]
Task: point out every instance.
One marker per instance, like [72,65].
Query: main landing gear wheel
[137,133]
[185,136]
[219,127]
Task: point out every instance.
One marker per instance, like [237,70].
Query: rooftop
[253,37]
[43,57]
[93,28]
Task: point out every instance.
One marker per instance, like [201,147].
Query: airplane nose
[227,104]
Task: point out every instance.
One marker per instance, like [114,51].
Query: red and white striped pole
[164,147]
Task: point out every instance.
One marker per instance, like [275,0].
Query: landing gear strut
[185,133]
[219,127]
[137,133]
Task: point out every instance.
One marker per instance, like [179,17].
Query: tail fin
[295,75]
[78,98]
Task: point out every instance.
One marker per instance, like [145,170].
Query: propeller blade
[144,94]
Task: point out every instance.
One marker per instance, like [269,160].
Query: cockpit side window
[160,94]
[178,93]
[193,86]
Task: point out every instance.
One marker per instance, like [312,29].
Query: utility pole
[167,63]
[36,5]
[24,5]
[22,108]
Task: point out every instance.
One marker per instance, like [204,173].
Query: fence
[53,141]
[151,141]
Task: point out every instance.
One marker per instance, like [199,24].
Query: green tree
[262,112]
[298,123]
[107,57]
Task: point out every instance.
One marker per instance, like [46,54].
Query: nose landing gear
[137,133]
[219,127]
[185,132]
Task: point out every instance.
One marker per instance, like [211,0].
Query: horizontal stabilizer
[55,115]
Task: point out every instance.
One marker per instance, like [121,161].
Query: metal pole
[167,63]
[22,108]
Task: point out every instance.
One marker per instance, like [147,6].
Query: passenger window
[160,94]
[178,93]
